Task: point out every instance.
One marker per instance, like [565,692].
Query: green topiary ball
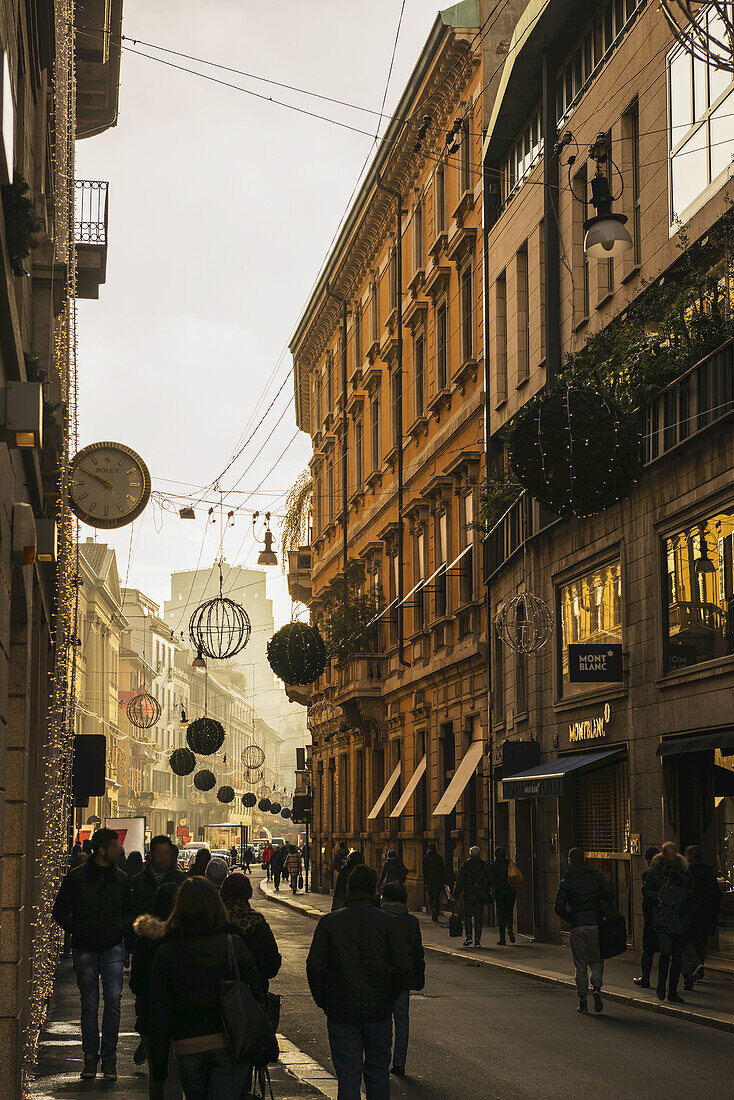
[575,451]
[225,794]
[264,805]
[297,653]
[205,736]
[182,761]
[249,800]
[204,780]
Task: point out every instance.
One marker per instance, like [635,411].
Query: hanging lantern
[275,807]
[524,623]
[182,761]
[220,627]
[575,451]
[225,794]
[264,805]
[205,736]
[249,800]
[143,710]
[297,653]
[285,813]
[253,757]
[204,780]
[324,718]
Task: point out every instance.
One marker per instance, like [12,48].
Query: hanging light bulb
[267,556]
[184,719]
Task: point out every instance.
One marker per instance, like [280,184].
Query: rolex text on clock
[110,485]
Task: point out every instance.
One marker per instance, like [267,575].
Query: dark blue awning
[548,780]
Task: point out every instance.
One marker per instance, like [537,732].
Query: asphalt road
[476,1033]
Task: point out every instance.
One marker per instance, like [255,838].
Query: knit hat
[217,870]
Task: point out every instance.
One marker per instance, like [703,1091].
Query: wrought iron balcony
[90,236]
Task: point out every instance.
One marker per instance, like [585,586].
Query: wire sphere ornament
[324,718]
[249,800]
[143,710]
[204,780]
[253,757]
[285,813]
[205,736]
[219,627]
[275,807]
[263,791]
[264,805]
[297,654]
[225,794]
[524,623]
[709,36]
[182,761]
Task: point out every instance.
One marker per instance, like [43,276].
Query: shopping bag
[455,928]
[250,1033]
[612,934]
[300,882]
[514,876]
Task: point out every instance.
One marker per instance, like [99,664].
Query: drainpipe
[345,494]
[399,412]
[550,223]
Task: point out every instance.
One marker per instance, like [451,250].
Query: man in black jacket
[434,879]
[473,883]
[357,965]
[395,902]
[160,869]
[95,905]
[581,895]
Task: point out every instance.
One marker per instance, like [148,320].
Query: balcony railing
[90,212]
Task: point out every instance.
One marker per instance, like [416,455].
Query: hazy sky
[221,207]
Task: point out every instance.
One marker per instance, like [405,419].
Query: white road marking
[306,1070]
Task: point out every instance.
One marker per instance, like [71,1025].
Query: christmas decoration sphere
[249,800]
[285,813]
[204,780]
[253,757]
[219,628]
[324,718]
[263,791]
[524,623]
[143,710]
[205,736]
[575,451]
[297,653]
[182,761]
[264,805]
[225,794]
[275,807]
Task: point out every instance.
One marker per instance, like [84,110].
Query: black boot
[90,1066]
[582,1005]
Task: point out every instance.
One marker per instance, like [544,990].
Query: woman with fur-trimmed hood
[668,887]
[236,892]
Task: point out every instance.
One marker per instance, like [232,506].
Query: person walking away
[504,895]
[650,945]
[236,893]
[149,929]
[293,866]
[217,871]
[668,886]
[340,857]
[582,894]
[95,905]
[133,865]
[705,908]
[201,860]
[357,965]
[268,851]
[233,856]
[472,883]
[395,902]
[393,870]
[160,869]
[190,964]
[277,860]
[434,879]
[340,886]
[247,858]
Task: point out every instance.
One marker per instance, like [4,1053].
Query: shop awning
[412,784]
[462,775]
[385,794]
[714,739]
[548,780]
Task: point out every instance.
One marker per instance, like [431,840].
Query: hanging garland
[182,761]
[297,653]
[205,736]
[204,780]
[225,794]
[575,451]
[249,800]
[143,710]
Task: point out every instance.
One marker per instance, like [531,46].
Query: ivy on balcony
[348,608]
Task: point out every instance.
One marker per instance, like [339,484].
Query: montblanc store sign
[590,729]
[594,664]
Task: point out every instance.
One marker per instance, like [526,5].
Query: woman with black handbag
[194,962]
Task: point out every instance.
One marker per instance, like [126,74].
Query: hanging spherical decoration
[204,780]
[205,736]
[253,757]
[263,791]
[143,710]
[297,653]
[264,805]
[249,800]
[575,451]
[182,761]
[324,718]
[708,38]
[220,628]
[285,813]
[275,807]
[524,623]
[225,794]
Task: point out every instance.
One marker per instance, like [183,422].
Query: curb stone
[662,1008]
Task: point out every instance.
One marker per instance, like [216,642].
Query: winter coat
[268,851]
[277,861]
[148,931]
[393,870]
[650,943]
[258,936]
[473,881]
[340,886]
[293,863]
[498,877]
[184,987]
[582,894]
[340,858]
[706,900]
[95,905]
[410,929]
[670,889]
[358,962]
[434,871]
[144,886]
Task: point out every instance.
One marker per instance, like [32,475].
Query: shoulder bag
[250,1034]
[455,925]
[514,876]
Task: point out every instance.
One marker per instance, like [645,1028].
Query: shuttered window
[601,809]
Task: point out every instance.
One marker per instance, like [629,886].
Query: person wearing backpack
[504,894]
[582,893]
[473,884]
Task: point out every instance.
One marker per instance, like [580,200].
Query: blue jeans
[401,1022]
[212,1074]
[361,1050]
[90,966]
[474,910]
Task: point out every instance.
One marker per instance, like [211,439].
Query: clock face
[110,485]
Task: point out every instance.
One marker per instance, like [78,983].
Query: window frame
[582,572]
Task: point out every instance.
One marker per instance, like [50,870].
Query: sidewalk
[710,1004]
